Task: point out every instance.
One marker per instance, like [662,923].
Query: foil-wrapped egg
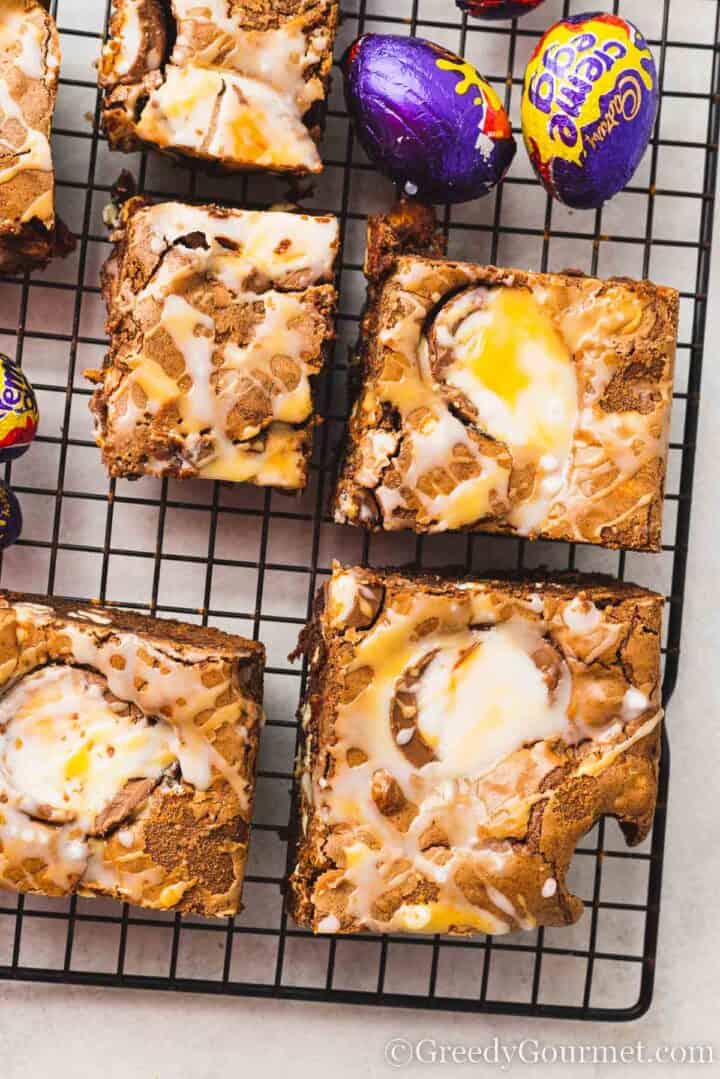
[10,517]
[498,9]
[427,118]
[588,109]
[18,410]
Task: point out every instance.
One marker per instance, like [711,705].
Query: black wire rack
[249,560]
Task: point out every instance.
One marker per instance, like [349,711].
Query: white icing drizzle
[165,683]
[65,752]
[329,924]
[65,747]
[549,888]
[28,33]
[489,718]
[25,34]
[92,616]
[227,93]
[227,117]
[285,250]
[581,616]
[300,248]
[526,396]
[70,742]
[34,152]
[192,334]
[634,704]
[279,58]
[531,378]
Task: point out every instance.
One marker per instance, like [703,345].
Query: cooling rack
[249,561]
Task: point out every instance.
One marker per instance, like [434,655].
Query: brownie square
[459,736]
[219,321]
[128,748]
[29,69]
[506,401]
[240,83]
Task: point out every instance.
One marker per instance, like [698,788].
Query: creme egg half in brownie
[516,370]
[509,401]
[110,728]
[68,746]
[461,735]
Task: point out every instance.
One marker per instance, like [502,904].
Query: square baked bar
[127,755]
[459,738]
[219,321]
[29,68]
[241,83]
[498,400]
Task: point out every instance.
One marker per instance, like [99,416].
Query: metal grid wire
[249,561]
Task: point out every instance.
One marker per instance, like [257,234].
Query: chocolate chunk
[125,802]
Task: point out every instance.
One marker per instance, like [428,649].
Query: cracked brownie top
[509,401]
[219,321]
[460,736]
[127,755]
[238,82]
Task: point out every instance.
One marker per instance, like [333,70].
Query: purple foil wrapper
[10,517]
[427,118]
[498,9]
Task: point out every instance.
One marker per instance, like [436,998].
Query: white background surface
[67,1032]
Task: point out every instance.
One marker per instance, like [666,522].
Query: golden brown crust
[416,436]
[155,53]
[503,830]
[238,305]
[165,839]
